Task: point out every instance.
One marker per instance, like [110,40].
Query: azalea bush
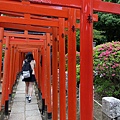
[107,69]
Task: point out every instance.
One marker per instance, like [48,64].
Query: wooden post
[39,69]
[36,59]
[17,63]
[1,45]
[62,78]
[43,81]
[14,64]
[86,60]
[54,73]
[5,87]
[72,65]
[11,69]
[49,110]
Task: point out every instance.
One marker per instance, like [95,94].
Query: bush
[107,69]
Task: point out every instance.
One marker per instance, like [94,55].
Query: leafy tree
[109,24]
[99,37]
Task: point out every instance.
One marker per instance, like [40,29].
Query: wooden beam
[38,9]
[25,42]
[106,7]
[28,46]
[95,17]
[35,9]
[23,21]
[24,50]
[98,5]
[24,27]
[67,3]
[25,36]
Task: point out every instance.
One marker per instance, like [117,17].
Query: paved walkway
[21,109]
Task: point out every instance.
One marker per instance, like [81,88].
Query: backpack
[26,70]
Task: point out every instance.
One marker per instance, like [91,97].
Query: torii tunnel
[53,20]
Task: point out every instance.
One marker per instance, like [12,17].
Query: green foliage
[99,37]
[110,25]
[78,73]
[107,69]
[78,40]
[114,1]
[3,51]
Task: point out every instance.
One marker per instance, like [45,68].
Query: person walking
[29,81]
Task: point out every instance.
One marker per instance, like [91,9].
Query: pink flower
[113,66]
[103,74]
[105,58]
[114,53]
[96,68]
[113,74]
[107,55]
[104,64]
[116,64]
[101,49]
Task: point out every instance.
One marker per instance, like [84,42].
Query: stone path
[21,109]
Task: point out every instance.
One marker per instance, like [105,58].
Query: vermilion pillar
[1,44]
[5,87]
[8,68]
[37,65]
[17,63]
[54,73]
[42,73]
[45,72]
[62,79]
[21,61]
[86,60]
[36,59]
[11,69]
[13,65]
[39,69]
[43,77]
[48,71]
[72,65]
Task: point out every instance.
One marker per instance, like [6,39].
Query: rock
[111,107]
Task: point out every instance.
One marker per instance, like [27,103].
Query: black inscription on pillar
[73,28]
[90,19]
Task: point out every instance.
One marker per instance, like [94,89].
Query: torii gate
[86,55]
[86,48]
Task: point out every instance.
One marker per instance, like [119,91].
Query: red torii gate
[86,70]
[86,48]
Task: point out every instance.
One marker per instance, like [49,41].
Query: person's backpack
[26,70]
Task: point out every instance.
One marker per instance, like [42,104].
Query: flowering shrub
[107,69]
